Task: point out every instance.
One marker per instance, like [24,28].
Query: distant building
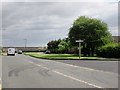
[116,38]
[4,49]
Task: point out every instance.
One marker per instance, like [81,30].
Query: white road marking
[84,67]
[77,79]
[91,69]
[39,65]
[73,78]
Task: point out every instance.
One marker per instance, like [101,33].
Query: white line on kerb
[73,78]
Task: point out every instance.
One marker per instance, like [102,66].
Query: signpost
[79,41]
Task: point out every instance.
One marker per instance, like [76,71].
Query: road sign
[79,40]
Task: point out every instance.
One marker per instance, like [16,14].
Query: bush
[110,51]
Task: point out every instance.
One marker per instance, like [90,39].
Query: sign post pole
[79,41]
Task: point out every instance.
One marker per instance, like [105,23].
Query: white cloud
[43,21]
[60,0]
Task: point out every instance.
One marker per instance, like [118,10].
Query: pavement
[22,71]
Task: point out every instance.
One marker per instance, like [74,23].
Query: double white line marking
[68,76]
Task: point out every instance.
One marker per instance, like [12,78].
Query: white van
[11,51]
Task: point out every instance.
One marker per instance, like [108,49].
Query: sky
[41,22]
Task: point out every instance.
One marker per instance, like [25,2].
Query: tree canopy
[58,46]
[94,32]
[53,45]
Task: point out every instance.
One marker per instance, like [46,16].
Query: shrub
[110,51]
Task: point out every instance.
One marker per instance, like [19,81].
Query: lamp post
[79,41]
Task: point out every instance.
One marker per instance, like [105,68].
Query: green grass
[58,56]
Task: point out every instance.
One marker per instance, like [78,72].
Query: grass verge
[64,57]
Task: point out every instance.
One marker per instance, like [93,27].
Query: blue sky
[40,22]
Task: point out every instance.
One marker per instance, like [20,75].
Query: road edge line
[73,78]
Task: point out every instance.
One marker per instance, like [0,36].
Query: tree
[53,45]
[94,32]
[63,46]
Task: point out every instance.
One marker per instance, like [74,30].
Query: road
[0,71]
[108,66]
[22,71]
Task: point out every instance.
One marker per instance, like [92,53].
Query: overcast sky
[40,22]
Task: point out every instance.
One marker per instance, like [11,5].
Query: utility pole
[79,41]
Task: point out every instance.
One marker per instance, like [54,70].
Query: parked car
[11,51]
[47,52]
[19,51]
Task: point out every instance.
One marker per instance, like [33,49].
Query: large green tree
[94,32]
[53,45]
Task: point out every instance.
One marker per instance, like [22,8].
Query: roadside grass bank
[65,57]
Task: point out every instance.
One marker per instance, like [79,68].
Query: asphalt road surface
[108,66]
[0,71]
[22,71]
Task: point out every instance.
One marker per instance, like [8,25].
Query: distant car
[19,51]
[11,51]
[47,52]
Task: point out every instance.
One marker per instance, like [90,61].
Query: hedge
[109,51]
